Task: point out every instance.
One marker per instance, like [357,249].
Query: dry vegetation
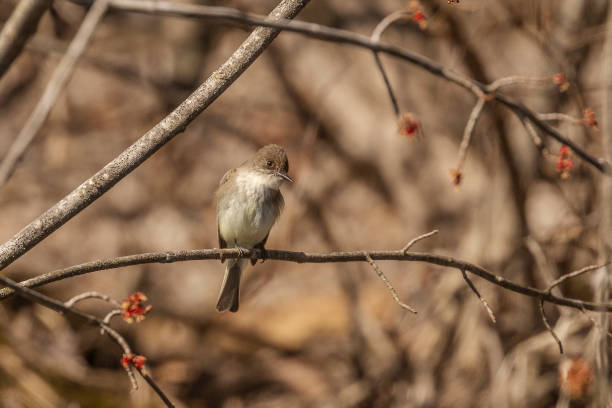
[314,335]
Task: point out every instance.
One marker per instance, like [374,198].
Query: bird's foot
[258,253]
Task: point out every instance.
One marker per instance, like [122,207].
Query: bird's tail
[230,288]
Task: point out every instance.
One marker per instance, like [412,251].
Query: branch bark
[304,257]
[19,27]
[150,142]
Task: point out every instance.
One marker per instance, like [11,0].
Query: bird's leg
[258,252]
[241,250]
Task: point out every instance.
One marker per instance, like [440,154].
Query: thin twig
[378,30]
[346,37]
[560,117]
[518,80]
[91,295]
[60,307]
[303,257]
[482,300]
[56,84]
[150,142]
[548,327]
[573,274]
[382,276]
[109,316]
[537,140]
[469,131]
[417,239]
[18,28]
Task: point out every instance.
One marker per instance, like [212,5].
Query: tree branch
[62,308]
[19,27]
[150,142]
[304,257]
[321,32]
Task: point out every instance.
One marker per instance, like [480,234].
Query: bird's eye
[269,163]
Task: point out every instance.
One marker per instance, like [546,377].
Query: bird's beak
[283,175]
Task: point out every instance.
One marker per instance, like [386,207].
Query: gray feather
[230,288]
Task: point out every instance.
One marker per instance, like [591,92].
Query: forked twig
[548,327]
[482,300]
[469,131]
[417,239]
[382,276]
[573,274]
[378,30]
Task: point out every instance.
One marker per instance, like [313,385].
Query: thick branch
[150,142]
[19,27]
[304,257]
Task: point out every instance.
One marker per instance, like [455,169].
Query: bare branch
[560,117]
[304,257]
[548,327]
[482,300]
[109,316]
[417,239]
[60,307]
[19,27]
[378,30]
[56,84]
[573,274]
[91,295]
[468,132]
[341,36]
[518,80]
[150,142]
[382,276]
[537,140]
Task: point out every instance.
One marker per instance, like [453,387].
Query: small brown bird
[248,203]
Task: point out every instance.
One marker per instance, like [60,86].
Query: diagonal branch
[150,142]
[384,278]
[482,300]
[304,257]
[469,131]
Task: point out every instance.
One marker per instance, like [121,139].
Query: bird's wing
[227,176]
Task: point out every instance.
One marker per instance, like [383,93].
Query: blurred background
[312,335]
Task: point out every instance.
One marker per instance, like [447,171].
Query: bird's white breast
[246,215]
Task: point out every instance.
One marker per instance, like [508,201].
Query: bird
[249,202]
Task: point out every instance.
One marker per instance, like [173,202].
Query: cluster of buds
[576,378]
[137,361]
[418,14]
[564,162]
[132,309]
[589,119]
[560,80]
[456,177]
[408,126]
